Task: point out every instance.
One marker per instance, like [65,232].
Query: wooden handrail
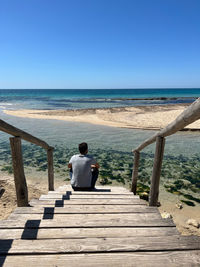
[17,159]
[189,115]
[8,128]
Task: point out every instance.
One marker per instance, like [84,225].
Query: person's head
[83,148]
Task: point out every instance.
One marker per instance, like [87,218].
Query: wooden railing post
[18,169]
[155,179]
[135,171]
[50,169]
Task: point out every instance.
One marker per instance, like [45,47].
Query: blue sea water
[92,98]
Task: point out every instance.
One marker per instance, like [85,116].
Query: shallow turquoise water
[69,134]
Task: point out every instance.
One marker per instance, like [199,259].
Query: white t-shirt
[81,167]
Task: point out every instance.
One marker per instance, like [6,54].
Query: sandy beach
[141,117]
[36,187]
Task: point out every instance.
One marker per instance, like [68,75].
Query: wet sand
[142,117]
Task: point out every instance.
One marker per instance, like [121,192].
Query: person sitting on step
[83,170]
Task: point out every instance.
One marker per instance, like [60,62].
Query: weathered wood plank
[50,168]
[52,233]
[89,202]
[7,128]
[87,209]
[105,216]
[18,169]
[87,222]
[87,245]
[135,172]
[138,259]
[157,165]
[90,193]
[68,196]
[112,189]
[139,234]
[189,115]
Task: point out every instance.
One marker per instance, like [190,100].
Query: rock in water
[144,195]
[158,204]
[193,222]
[179,206]
[166,215]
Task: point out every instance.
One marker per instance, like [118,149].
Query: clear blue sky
[99,43]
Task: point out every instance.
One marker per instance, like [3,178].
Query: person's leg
[95,173]
[70,173]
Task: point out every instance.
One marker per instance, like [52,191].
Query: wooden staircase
[107,227]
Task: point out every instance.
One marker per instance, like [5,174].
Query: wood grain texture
[90,193]
[64,233]
[157,165]
[135,172]
[93,232]
[58,196]
[102,222]
[18,170]
[90,217]
[158,259]
[88,209]
[87,245]
[88,201]
[50,169]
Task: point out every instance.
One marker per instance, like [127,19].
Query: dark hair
[83,148]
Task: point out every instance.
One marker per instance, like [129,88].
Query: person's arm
[69,165]
[96,165]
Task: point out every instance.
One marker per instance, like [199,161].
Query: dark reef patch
[180,174]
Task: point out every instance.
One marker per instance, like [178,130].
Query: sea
[93,98]
[69,134]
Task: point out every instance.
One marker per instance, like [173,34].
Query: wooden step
[93,229]
[99,245]
[87,222]
[111,189]
[93,216]
[86,209]
[91,193]
[127,259]
[86,196]
[61,202]
[54,233]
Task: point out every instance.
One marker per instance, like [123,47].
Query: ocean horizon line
[123,88]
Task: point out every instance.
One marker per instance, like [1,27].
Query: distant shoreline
[51,99]
[156,98]
[153,117]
